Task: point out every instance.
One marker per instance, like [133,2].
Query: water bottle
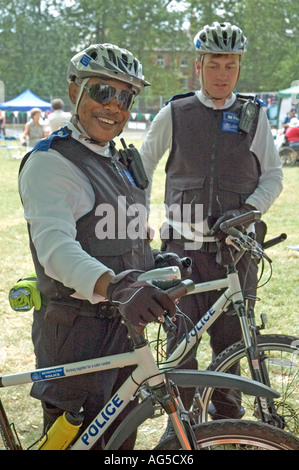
[62,432]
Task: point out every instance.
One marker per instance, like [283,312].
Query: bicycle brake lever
[168,324]
[231,241]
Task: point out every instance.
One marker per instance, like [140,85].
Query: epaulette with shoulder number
[45,144]
[179,96]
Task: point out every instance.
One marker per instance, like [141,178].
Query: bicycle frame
[146,371]
[232,294]
[156,377]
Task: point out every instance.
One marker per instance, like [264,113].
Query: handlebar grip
[274,241]
[240,219]
[175,292]
[183,288]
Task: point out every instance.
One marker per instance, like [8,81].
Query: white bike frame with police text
[147,370]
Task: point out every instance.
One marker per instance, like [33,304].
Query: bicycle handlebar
[274,241]
[239,220]
[175,292]
[183,288]
[244,241]
[187,262]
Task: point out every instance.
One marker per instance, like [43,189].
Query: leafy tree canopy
[38,38]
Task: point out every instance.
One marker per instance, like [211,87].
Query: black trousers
[69,338]
[225,331]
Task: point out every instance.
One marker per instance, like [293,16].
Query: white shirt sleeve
[55,194]
[270,182]
[158,140]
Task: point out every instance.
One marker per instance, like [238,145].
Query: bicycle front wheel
[237,435]
[281,360]
[288,156]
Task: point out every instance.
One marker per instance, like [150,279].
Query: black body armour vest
[114,231]
[210,163]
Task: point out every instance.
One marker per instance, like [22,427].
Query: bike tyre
[236,435]
[275,345]
[288,156]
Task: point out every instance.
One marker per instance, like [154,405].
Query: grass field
[279,297]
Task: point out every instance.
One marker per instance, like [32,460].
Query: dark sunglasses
[103,93]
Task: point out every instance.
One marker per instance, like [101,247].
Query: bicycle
[157,387]
[288,155]
[269,359]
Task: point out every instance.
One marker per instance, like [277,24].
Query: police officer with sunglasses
[76,194]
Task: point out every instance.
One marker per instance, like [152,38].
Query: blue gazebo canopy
[25,102]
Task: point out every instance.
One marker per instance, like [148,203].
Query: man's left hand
[226,253]
[215,230]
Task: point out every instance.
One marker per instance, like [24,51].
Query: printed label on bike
[47,374]
[102,419]
[205,319]
[230,122]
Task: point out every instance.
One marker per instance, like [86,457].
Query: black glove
[215,230]
[163,259]
[226,253]
[139,301]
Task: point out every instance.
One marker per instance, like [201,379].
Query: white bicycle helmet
[107,60]
[220,38]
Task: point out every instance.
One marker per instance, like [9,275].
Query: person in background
[87,277]
[215,166]
[58,116]
[292,133]
[290,115]
[2,122]
[34,130]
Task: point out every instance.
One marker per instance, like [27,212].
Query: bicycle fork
[165,393]
[256,361]
[168,397]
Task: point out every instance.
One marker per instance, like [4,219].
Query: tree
[141,26]
[34,48]
[271,62]
[271,27]
[38,38]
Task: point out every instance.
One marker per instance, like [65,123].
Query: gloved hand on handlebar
[164,259]
[226,253]
[139,301]
[215,230]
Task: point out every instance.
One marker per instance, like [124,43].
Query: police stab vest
[210,162]
[112,231]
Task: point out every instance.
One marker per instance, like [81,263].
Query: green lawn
[279,297]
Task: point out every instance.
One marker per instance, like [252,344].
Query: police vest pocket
[183,193]
[237,185]
[110,247]
[183,189]
[120,255]
[233,193]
